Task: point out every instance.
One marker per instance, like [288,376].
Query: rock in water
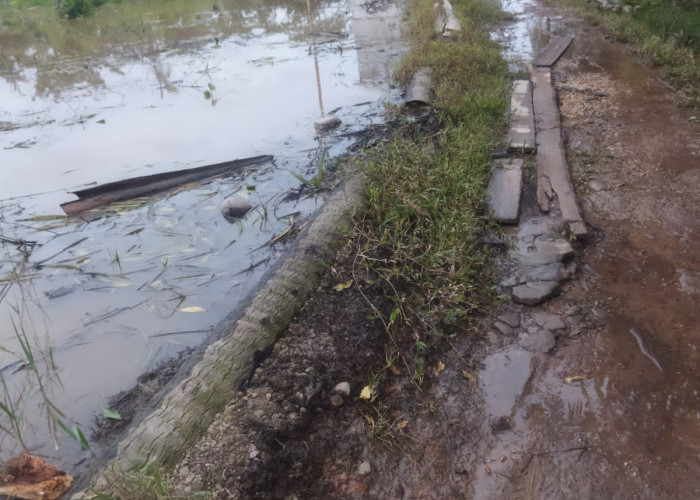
[325,125]
[235,207]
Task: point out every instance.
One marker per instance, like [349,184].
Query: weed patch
[420,232]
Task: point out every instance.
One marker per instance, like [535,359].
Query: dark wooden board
[150,184]
[553,51]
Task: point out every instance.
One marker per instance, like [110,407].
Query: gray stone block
[505,188]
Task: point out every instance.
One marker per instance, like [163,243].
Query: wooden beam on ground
[551,54]
[521,134]
[553,177]
[151,184]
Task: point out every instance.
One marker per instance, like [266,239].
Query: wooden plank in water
[504,191]
[553,177]
[553,51]
[111,192]
[521,133]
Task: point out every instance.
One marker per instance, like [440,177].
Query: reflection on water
[523,39]
[154,87]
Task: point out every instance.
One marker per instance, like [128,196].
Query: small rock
[337,400]
[343,388]
[503,328]
[510,319]
[544,252]
[325,125]
[549,321]
[540,341]
[575,320]
[259,413]
[235,207]
[501,424]
[364,468]
[535,292]
[553,271]
[494,338]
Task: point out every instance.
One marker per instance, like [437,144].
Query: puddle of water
[503,378]
[110,297]
[527,35]
[636,409]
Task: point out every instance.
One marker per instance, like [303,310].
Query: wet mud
[612,410]
[592,394]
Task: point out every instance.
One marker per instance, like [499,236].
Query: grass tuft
[427,187]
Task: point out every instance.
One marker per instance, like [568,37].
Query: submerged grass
[427,187]
[665,34]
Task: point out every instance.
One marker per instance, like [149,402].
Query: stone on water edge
[235,207]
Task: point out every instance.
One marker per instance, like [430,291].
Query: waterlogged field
[89,303]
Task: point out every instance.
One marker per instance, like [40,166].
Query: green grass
[665,34]
[421,229]
[149,482]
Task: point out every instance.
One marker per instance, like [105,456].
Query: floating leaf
[192,309]
[468,376]
[211,86]
[101,122]
[574,378]
[342,286]
[440,367]
[207,94]
[366,392]
[111,414]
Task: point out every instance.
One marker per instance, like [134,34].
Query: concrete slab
[553,177]
[534,293]
[451,22]
[553,51]
[521,135]
[505,188]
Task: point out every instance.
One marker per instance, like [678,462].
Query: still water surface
[146,87]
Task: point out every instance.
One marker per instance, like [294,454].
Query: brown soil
[611,411]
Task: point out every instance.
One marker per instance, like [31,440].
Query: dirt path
[605,405]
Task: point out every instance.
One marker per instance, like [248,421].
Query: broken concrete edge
[187,411]
[452,23]
[553,174]
[504,190]
[420,89]
[439,18]
[521,131]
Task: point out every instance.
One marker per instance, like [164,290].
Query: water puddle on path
[613,410]
[150,87]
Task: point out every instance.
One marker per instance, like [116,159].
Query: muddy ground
[607,405]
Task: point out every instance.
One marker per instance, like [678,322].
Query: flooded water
[150,87]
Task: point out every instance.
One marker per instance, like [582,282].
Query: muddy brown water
[106,297]
[629,427]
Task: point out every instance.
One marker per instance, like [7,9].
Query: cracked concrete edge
[521,131]
[188,410]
